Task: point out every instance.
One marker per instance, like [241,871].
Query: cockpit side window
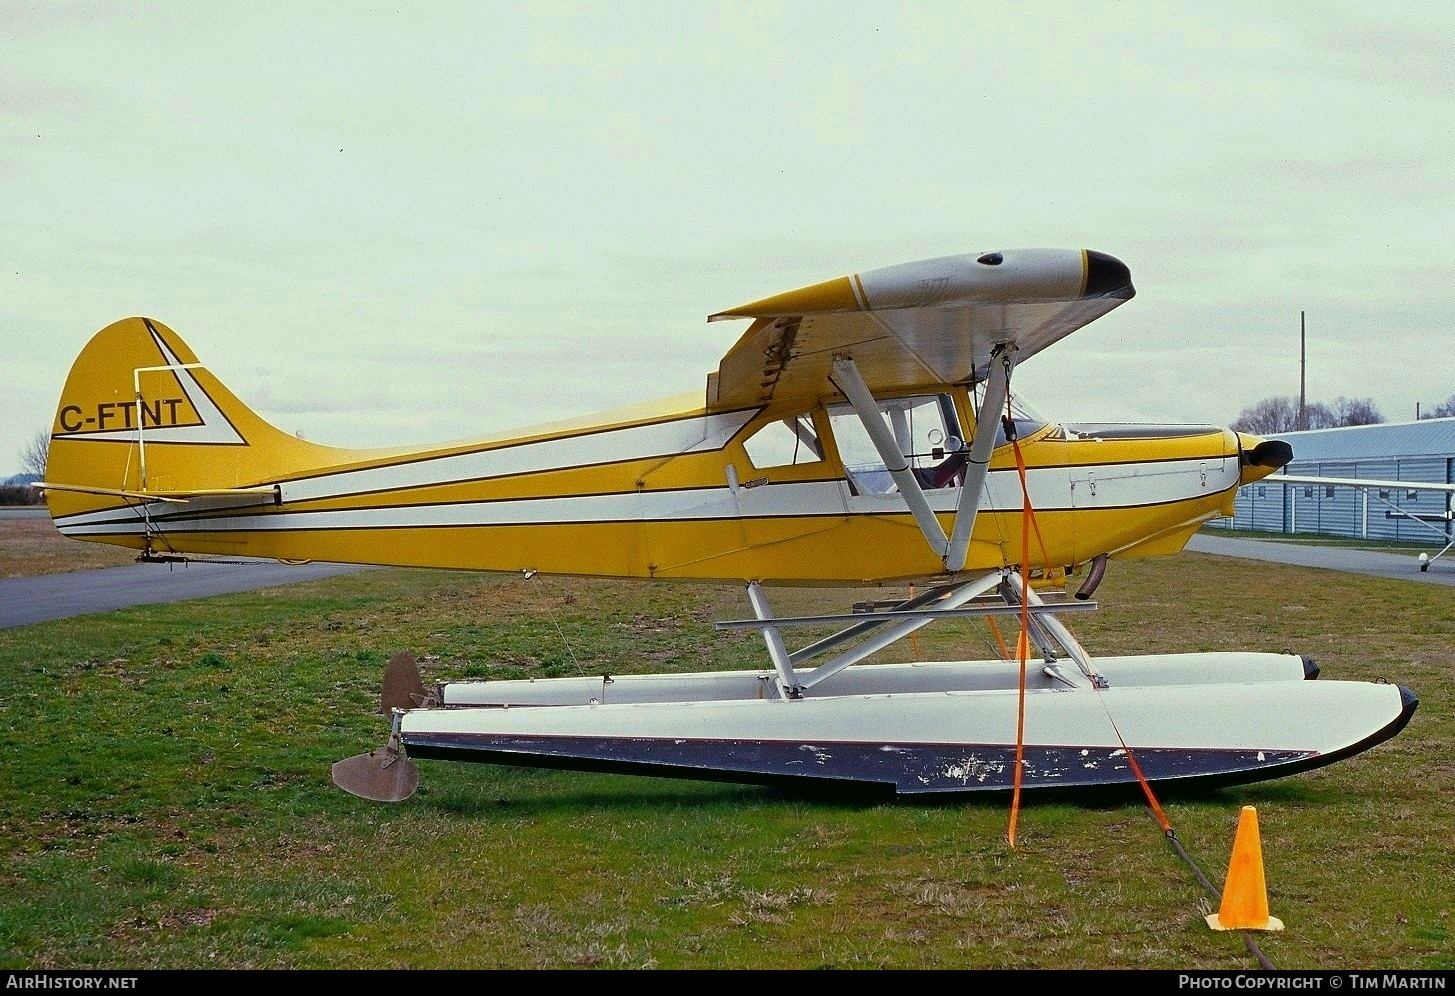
[924,427]
[788,442]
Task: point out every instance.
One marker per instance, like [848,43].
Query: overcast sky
[383,225]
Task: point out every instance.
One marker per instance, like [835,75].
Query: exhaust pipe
[1093,578]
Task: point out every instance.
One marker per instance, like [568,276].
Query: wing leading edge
[914,326]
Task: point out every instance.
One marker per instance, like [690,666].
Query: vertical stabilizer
[140,415]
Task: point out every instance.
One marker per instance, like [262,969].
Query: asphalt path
[1400,566]
[59,596]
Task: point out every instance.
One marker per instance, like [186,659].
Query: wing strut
[846,376]
[997,387]
[952,550]
[788,684]
[898,631]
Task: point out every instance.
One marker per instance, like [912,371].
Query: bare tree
[1356,411]
[1445,409]
[1269,415]
[1280,414]
[33,454]
[1318,415]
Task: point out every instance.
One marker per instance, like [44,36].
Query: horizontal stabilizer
[270,492]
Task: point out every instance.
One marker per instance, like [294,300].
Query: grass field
[165,798]
[32,546]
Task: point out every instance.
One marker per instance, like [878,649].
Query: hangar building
[1403,451]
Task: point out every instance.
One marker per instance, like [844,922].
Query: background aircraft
[1380,491]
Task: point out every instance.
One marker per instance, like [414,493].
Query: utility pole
[1302,421]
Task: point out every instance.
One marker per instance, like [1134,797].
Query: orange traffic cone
[1245,894]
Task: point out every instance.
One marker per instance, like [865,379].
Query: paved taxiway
[77,593]
[1400,566]
[59,596]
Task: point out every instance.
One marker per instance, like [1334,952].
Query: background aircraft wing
[1362,482]
[916,326]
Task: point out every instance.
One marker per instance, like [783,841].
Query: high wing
[915,326]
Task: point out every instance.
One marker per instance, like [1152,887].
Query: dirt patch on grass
[33,546]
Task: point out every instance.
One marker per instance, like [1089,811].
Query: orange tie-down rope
[995,632]
[1028,521]
[1023,642]
[913,635]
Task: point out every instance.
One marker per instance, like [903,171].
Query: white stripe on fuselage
[637,442]
[656,440]
[1117,486]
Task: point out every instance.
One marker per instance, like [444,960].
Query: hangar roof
[1427,437]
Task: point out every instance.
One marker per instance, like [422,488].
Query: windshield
[1027,418]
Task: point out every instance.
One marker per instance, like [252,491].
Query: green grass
[165,798]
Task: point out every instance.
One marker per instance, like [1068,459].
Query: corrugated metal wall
[1345,511]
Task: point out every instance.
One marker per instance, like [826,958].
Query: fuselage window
[925,429]
[785,443]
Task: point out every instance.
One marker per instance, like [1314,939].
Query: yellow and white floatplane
[861,431]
